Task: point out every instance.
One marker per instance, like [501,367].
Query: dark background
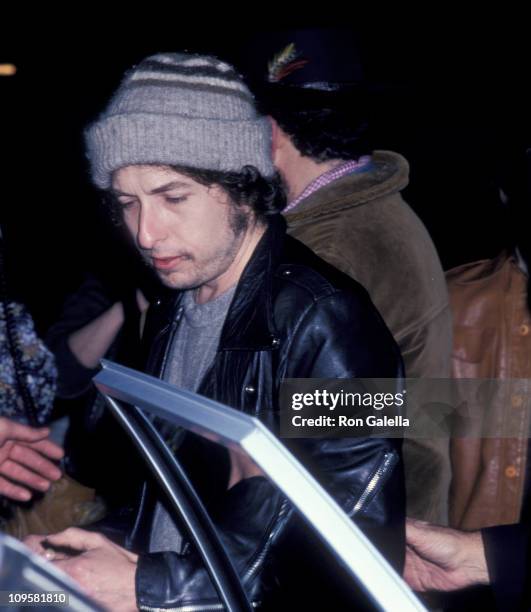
[456,102]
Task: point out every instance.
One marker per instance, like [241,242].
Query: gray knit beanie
[179,109]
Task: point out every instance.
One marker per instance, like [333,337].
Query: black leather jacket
[292,316]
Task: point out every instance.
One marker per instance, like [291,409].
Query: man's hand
[26,460]
[105,571]
[443,559]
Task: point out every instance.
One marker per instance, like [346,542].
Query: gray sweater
[193,350]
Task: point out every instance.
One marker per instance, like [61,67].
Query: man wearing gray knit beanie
[185,161]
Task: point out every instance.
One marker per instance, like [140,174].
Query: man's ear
[276,137]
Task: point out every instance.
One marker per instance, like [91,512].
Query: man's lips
[164,263]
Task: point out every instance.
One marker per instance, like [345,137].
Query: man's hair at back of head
[324,134]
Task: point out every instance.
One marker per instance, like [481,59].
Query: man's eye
[126,205]
[175,199]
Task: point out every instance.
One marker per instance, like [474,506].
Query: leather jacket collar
[249,324]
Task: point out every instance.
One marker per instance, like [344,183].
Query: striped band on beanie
[179,109]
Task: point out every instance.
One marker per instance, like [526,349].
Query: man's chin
[174,280]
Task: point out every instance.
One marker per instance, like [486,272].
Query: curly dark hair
[264,195]
[325,134]
[323,125]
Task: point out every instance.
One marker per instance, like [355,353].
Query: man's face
[190,233]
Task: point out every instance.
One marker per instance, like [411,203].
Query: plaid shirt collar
[328,177]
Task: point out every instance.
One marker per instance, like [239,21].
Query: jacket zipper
[272,534]
[194,608]
[388,463]
[173,327]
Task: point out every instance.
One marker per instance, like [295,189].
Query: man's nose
[151,227]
